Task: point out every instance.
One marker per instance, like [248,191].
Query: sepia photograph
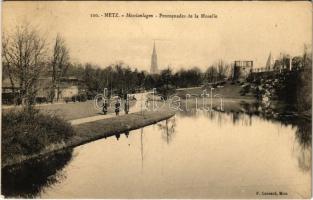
[156,99]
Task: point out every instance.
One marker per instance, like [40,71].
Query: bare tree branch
[24,53]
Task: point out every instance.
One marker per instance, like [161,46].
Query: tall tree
[211,74]
[7,65]
[222,69]
[24,55]
[59,63]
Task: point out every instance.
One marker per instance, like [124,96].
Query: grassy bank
[229,104]
[104,128]
[228,90]
[69,111]
[27,132]
[81,134]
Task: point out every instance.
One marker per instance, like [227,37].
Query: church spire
[154,61]
[154,51]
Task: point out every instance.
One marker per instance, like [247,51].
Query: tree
[304,90]
[165,85]
[297,62]
[222,69]
[211,74]
[24,56]
[59,63]
[7,65]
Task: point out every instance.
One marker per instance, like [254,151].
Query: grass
[70,111]
[104,128]
[229,104]
[227,91]
[27,132]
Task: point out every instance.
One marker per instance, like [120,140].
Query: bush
[166,90]
[80,97]
[67,99]
[41,100]
[245,89]
[27,132]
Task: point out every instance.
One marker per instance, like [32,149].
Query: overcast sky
[242,31]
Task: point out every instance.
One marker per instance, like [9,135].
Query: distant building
[67,88]
[70,87]
[154,62]
[242,70]
[9,91]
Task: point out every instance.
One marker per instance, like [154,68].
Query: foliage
[294,86]
[245,89]
[188,78]
[28,131]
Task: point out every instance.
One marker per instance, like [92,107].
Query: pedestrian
[117,107]
[126,106]
[105,107]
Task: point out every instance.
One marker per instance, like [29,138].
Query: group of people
[117,106]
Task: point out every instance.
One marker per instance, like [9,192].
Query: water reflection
[246,112]
[27,180]
[141,146]
[303,127]
[304,137]
[168,129]
[196,154]
[127,133]
[117,135]
[303,132]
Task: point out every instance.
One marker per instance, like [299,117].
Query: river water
[191,155]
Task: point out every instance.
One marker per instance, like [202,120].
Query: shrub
[67,99]
[80,97]
[245,89]
[28,131]
[166,90]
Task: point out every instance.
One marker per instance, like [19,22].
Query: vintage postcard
[156,99]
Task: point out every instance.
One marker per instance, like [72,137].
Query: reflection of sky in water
[206,155]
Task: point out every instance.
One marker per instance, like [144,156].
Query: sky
[241,31]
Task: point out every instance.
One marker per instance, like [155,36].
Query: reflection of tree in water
[303,133]
[237,117]
[281,114]
[29,179]
[220,118]
[304,137]
[211,115]
[168,129]
[304,159]
[141,147]
[191,112]
[250,108]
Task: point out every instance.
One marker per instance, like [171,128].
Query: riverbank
[227,90]
[229,98]
[92,131]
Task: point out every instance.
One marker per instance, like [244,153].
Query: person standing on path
[117,107]
[105,107]
[126,106]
